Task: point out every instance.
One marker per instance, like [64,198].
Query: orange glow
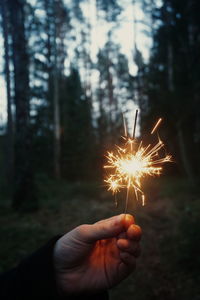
[132,162]
[156,125]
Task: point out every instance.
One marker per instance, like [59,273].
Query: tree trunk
[9,133]
[182,145]
[56,126]
[170,68]
[56,108]
[110,88]
[24,187]
[185,160]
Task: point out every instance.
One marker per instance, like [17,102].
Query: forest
[65,89]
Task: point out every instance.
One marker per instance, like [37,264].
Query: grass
[170,262]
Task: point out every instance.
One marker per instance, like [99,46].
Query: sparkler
[130,163]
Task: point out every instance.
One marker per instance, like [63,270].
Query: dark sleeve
[34,279]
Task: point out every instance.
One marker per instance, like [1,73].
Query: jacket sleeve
[34,278]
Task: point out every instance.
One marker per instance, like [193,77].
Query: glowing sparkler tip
[130,163]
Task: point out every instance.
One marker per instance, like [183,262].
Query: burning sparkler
[132,162]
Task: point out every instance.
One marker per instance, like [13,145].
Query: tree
[24,187]
[49,53]
[171,79]
[77,134]
[9,133]
[115,89]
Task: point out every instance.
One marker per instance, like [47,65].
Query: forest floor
[168,268]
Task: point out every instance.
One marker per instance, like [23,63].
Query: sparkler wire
[135,123]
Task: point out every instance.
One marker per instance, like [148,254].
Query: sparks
[130,163]
[156,125]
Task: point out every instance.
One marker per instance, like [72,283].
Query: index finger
[134,232]
[127,221]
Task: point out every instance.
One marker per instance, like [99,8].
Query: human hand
[92,258]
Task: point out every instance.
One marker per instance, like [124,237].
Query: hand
[92,258]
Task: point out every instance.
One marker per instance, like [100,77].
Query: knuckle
[137,232]
[82,230]
[138,229]
[103,227]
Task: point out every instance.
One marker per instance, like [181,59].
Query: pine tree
[24,186]
[10,126]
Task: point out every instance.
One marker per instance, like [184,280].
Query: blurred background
[68,69]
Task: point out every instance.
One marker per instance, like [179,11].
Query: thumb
[108,228]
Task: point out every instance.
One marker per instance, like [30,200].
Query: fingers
[109,228]
[127,220]
[129,246]
[128,259]
[129,242]
[104,229]
[134,232]
[122,235]
[127,265]
[129,249]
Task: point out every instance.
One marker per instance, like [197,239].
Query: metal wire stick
[135,123]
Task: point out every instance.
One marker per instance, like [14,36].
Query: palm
[102,268]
